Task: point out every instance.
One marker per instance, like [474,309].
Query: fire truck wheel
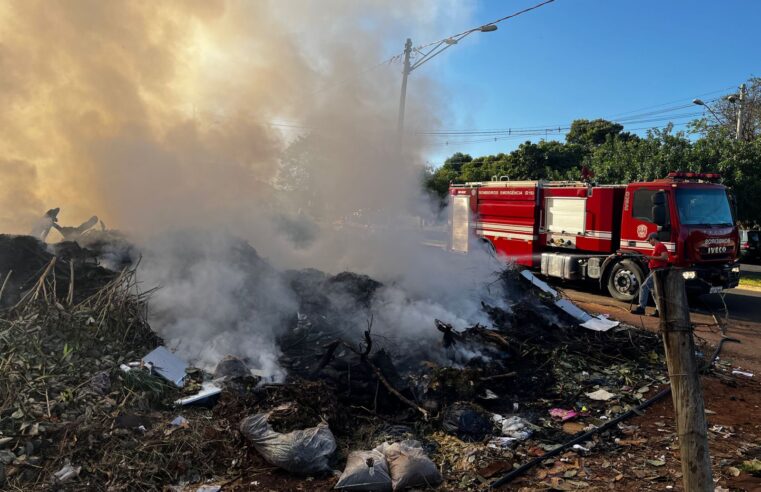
[624,280]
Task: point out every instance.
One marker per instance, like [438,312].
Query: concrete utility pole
[403,97]
[686,392]
[738,133]
[424,54]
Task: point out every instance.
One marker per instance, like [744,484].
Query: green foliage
[616,156]
[596,132]
[437,181]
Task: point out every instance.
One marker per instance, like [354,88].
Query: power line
[474,29]
[397,57]
[662,114]
[351,78]
[535,134]
[675,101]
[552,130]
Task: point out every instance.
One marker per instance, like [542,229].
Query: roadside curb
[748,287]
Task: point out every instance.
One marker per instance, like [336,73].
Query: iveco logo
[714,250]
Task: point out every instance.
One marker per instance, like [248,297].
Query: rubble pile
[84,407]
[71,269]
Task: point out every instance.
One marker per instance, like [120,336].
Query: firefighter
[658,261]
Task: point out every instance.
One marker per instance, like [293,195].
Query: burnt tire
[624,280]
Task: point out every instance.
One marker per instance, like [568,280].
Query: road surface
[743,320]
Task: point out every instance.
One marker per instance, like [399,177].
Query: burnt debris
[79,390]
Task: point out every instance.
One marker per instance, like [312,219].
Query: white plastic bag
[302,451]
[365,471]
[409,465]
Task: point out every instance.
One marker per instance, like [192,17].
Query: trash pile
[92,400]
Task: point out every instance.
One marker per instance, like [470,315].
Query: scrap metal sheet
[586,320]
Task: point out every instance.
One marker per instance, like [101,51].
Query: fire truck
[584,231]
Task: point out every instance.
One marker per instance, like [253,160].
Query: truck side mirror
[733,204]
[658,198]
[659,215]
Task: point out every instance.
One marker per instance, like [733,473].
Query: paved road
[744,305]
[750,268]
[744,321]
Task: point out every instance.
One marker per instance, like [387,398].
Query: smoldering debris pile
[24,259]
[82,410]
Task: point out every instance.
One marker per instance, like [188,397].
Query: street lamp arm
[700,102]
[437,49]
[715,115]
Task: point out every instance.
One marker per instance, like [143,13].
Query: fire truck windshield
[703,206]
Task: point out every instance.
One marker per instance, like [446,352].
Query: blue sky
[588,59]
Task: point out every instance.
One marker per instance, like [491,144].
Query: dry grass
[750,279]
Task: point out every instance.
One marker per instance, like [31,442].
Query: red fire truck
[578,231]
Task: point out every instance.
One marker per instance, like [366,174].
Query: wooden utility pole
[686,392]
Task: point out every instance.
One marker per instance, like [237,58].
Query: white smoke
[257,120]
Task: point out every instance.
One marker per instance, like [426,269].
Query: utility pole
[686,392]
[403,98]
[738,133]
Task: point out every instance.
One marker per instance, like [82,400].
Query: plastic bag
[301,451]
[514,427]
[467,421]
[366,471]
[409,465]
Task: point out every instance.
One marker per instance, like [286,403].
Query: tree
[623,160]
[457,160]
[616,156]
[726,107]
[593,133]
[437,181]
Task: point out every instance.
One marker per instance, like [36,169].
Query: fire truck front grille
[725,255]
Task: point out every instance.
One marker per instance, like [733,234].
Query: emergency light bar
[690,175]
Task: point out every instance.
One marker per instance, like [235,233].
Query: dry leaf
[631,442]
[573,427]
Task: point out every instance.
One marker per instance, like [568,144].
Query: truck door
[643,208]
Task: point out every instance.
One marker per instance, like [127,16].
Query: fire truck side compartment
[507,217]
[565,266]
[460,223]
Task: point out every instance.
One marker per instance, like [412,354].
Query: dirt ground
[733,406]
[643,454]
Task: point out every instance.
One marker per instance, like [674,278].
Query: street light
[700,102]
[738,98]
[435,49]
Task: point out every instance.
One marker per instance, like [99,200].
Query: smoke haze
[258,120]
[151,114]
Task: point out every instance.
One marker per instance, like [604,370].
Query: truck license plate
[716,290]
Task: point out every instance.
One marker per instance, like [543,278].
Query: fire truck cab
[578,231]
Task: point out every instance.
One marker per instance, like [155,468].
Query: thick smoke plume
[258,120]
[161,113]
